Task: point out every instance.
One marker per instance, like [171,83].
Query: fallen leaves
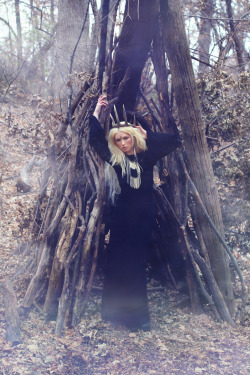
[96,347]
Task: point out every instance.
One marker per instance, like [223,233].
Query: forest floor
[179,342]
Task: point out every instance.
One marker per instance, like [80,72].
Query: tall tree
[71,17]
[204,40]
[197,152]
[103,40]
[238,45]
[132,51]
[19,33]
[176,189]
[52,11]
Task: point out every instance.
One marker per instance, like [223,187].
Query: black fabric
[125,290]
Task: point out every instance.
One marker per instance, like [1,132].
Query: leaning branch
[13,333]
[7,24]
[198,199]
[216,302]
[150,109]
[72,61]
[222,19]
[23,181]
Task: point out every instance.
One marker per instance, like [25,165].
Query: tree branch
[7,24]
[198,199]
[219,18]
[71,64]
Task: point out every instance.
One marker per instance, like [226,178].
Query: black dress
[125,290]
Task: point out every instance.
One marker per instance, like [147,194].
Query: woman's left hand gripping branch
[142,131]
[102,102]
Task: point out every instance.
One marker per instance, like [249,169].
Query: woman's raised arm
[97,137]
[161,144]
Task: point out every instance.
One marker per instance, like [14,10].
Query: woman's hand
[102,102]
[142,131]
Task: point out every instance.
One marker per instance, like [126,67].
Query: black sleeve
[97,139]
[160,145]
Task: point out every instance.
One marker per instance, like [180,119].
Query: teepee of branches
[72,200]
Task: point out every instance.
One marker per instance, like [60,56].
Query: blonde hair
[117,156]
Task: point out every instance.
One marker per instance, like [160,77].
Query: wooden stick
[199,201]
[13,333]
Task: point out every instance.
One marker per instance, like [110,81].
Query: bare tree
[71,16]
[204,40]
[189,111]
[19,33]
[238,45]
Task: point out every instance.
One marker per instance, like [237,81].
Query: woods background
[184,66]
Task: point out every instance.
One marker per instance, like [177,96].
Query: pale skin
[123,140]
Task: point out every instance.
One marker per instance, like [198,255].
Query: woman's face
[124,142]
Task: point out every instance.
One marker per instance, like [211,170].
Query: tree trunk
[68,224]
[177,190]
[71,15]
[159,61]
[103,41]
[12,320]
[204,39]
[19,33]
[52,11]
[197,152]
[238,45]
[132,51]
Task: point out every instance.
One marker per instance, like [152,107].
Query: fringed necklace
[133,171]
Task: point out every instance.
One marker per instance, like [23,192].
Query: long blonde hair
[117,156]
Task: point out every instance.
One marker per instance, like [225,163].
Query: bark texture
[238,45]
[204,39]
[132,51]
[19,33]
[70,20]
[13,333]
[197,152]
[176,189]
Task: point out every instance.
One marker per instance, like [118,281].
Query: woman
[132,151]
